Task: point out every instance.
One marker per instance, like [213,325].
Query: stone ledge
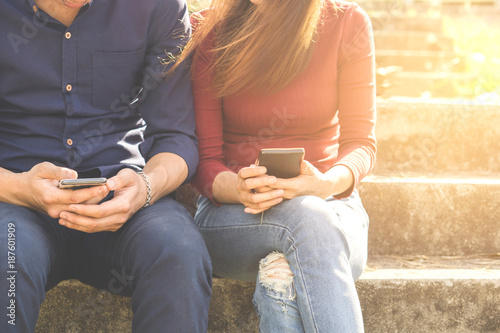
[415,61]
[393,301]
[383,20]
[412,40]
[432,216]
[430,305]
[439,84]
[437,138]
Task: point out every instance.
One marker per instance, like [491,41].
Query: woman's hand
[313,182]
[256,189]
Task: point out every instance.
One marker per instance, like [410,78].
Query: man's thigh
[114,261]
[40,245]
[34,257]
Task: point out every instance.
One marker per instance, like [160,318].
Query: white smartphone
[81,183]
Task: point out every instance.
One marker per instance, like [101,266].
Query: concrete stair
[411,38]
[412,60]
[417,84]
[447,6]
[417,137]
[397,294]
[394,21]
[431,216]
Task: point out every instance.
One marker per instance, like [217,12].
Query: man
[82,95]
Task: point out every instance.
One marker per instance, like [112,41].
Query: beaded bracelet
[148,188]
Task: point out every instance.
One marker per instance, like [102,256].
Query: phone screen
[282,162]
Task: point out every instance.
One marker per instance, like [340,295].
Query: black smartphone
[81,183]
[281,162]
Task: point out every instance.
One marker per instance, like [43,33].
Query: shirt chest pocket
[115,77]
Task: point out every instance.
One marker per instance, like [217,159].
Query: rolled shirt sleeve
[166,101]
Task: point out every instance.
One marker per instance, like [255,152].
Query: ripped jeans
[305,254]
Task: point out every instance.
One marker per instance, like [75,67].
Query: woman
[281,74]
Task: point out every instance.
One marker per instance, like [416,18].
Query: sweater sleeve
[209,124]
[356,91]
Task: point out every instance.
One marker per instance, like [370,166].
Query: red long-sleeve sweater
[329,109]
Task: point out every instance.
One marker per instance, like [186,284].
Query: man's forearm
[10,187]
[166,172]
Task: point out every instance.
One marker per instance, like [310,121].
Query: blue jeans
[325,244]
[158,257]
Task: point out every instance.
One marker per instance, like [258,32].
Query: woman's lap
[237,241]
[325,244]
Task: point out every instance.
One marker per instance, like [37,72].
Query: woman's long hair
[257,47]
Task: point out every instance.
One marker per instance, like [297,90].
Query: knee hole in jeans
[275,275]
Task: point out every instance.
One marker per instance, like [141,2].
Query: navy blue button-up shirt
[91,96]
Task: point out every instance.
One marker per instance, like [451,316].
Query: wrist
[340,179]
[13,187]
[225,188]
[147,184]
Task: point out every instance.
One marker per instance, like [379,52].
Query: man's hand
[254,189]
[129,197]
[39,190]
[166,172]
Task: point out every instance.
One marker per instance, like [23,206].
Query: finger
[263,189]
[250,184]
[50,171]
[288,194]
[108,208]
[81,195]
[262,206]
[75,226]
[283,183]
[123,179]
[292,187]
[96,200]
[258,198]
[254,211]
[90,224]
[307,168]
[252,171]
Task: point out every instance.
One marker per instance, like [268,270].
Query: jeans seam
[306,291]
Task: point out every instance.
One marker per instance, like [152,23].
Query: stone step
[412,40]
[431,216]
[396,295]
[416,61]
[72,307]
[472,2]
[416,137]
[440,217]
[418,84]
[399,7]
[392,20]
[432,297]
[424,6]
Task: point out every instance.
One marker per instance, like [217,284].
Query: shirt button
[69,87]
[69,142]
[67,35]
